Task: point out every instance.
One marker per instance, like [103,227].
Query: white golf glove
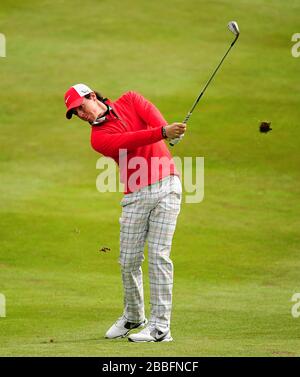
[175,141]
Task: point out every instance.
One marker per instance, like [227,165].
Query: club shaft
[208,82]
[177,140]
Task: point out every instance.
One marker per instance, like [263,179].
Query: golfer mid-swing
[131,131]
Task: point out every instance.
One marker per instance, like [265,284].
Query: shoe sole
[151,341]
[124,335]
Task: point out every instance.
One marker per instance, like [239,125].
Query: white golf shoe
[151,334]
[122,327]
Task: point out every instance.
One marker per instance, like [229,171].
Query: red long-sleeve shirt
[136,128]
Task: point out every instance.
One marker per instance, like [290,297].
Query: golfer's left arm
[109,144]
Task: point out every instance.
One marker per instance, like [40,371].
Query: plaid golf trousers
[149,213]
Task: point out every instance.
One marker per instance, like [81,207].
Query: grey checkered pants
[149,213]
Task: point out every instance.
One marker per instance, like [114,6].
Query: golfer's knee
[161,260]
[130,264]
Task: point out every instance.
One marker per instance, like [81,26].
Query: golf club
[233,27]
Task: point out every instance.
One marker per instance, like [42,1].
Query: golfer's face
[89,110]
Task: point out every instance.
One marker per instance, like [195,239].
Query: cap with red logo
[74,97]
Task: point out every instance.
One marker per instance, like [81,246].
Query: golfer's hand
[175,130]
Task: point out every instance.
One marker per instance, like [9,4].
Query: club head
[234,28]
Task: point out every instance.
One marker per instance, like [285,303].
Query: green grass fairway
[236,254]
